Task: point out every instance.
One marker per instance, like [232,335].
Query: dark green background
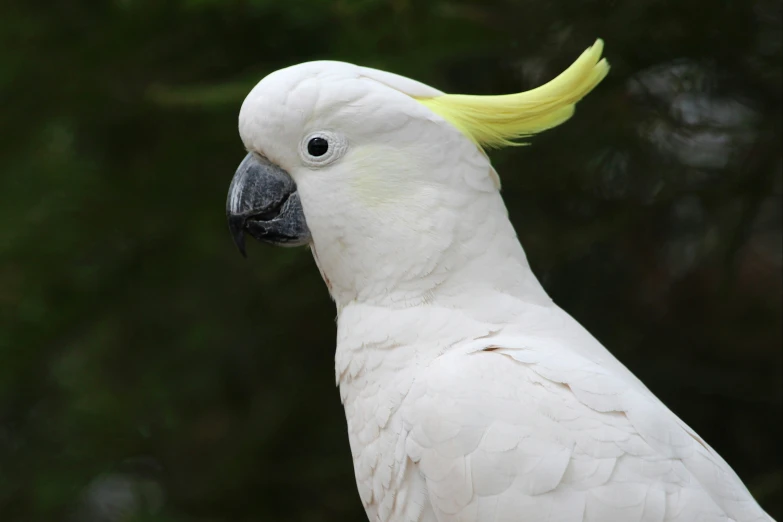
[142,358]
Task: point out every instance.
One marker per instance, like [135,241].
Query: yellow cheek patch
[381,175]
[497,121]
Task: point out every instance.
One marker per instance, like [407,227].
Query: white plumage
[469,395]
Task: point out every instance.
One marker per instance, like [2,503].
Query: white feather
[469,395]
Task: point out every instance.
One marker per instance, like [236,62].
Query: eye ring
[321,148]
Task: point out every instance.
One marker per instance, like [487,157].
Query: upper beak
[263,201]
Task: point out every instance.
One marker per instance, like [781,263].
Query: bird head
[384,177]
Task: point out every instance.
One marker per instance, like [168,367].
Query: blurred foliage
[147,372]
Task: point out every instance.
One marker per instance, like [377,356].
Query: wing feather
[510,434]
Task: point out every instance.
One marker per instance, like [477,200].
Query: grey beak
[263,201]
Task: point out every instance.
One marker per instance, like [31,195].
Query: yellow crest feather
[496,121]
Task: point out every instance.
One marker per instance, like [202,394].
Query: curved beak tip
[236,225]
[240,242]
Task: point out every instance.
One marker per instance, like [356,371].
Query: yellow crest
[496,121]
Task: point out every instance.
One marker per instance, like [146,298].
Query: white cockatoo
[469,395]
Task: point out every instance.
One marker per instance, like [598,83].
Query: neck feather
[478,254]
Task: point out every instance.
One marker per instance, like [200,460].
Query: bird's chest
[389,485]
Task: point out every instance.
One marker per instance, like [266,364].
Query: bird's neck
[477,255]
[471,287]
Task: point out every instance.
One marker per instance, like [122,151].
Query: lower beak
[263,201]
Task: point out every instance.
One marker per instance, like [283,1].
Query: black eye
[317,147]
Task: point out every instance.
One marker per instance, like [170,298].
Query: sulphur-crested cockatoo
[470,396]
